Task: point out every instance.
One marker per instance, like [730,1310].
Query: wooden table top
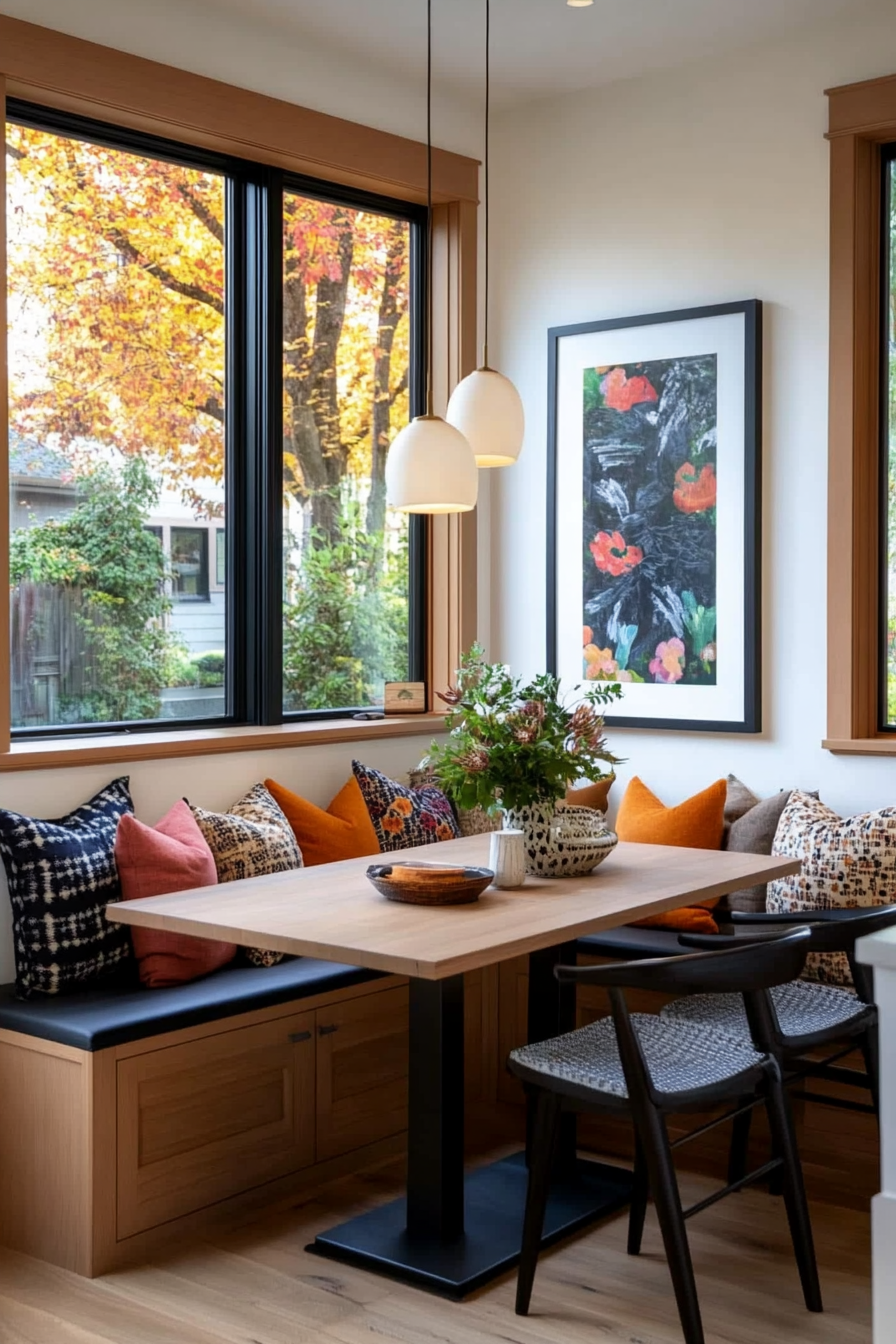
[334,913]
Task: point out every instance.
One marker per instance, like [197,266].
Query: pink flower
[668,665]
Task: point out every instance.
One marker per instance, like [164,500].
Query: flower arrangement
[513,745]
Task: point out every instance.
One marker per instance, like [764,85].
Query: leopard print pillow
[251,839]
[846,861]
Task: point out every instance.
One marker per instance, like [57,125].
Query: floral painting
[649,540]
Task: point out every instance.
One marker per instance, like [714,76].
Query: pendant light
[485,406]
[430,467]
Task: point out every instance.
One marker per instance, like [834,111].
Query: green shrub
[209,668]
[104,548]
[345,627]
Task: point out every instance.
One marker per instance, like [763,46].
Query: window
[189,563]
[346,378]
[220,557]
[160,297]
[888,436]
[861,580]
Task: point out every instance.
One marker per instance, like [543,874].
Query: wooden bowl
[429,883]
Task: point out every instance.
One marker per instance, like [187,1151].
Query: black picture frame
[744,716]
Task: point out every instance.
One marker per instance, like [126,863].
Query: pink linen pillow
[152,861]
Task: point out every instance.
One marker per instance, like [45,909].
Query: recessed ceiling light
[579,4]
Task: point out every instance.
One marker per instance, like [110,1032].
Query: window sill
[885,745]
[57,752]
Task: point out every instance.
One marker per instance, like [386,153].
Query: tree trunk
[314,454]
[389,318]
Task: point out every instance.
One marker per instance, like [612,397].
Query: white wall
[698,186]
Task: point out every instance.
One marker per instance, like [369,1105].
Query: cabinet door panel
[204,1120]
[362,1071]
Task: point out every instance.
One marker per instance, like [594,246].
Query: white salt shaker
[507,858]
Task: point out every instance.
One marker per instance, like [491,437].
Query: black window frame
[887,281]
[254,419]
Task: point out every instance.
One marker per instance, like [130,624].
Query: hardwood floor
[257,1285]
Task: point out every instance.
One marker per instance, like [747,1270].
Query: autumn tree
[116,275]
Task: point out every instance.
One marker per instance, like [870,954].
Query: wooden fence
[50,660]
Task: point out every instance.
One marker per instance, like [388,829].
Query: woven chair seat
[804,1008]
[681,1057]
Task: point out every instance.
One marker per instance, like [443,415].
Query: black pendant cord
[488,24]
[429,229]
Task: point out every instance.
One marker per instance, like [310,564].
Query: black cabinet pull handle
[296,1036]
[327,1031]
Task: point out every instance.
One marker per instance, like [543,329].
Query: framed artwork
[654,514]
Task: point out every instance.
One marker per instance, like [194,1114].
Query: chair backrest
[742,965]
[834,930]
[751,970]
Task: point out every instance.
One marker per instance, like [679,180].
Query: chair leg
[544,1140]
[871,1055]
[640,1191]
[664,1188]
[794,1190]
[739,1150]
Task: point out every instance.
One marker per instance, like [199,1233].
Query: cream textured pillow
[847,862]
[251,839]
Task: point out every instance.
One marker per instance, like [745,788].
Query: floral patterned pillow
[405,817]
[847,862]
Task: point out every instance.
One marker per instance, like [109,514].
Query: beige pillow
[251,839]
[847,862]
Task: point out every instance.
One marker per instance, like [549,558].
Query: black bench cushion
[629,943]
[97,1019]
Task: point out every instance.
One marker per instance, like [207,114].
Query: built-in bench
[97,1019]
[128,1114]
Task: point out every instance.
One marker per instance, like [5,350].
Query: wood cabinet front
[201,1121]
[362,1071]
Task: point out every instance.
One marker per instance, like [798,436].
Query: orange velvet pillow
[687,919]
[155,860]
[697,823]
[341,831]
[595,795]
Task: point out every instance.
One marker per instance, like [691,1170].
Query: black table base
[457,1230]
[494,1199]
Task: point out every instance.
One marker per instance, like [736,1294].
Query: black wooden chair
[649,1067]
[809,1016]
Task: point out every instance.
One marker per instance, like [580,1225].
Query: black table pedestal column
[453,1233]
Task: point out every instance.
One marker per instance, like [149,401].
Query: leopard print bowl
[563,842]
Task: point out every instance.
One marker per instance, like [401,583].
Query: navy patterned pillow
[404,817]
[62,874]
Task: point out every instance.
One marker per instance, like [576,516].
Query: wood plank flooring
[257,1285]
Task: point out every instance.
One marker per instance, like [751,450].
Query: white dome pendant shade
[431,469]
[487,409]
[485,406]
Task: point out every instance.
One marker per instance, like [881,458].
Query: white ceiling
[540,47]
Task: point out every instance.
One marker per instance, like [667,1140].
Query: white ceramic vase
[507,858]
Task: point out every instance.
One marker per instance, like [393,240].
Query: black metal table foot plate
[494,1198]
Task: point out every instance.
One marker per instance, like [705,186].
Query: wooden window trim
[862,117]
[55,70]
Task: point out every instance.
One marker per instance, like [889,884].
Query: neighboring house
[42,486]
